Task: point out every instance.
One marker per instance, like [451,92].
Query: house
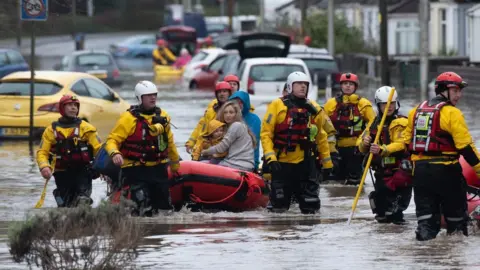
[449,27]
[403,28]
[473,16]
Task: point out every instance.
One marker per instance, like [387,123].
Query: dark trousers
[149,187]
[295,180]
[439,189]
[350,165]
[390,204]
[72,185]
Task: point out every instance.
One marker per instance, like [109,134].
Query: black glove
[275,166]
[159,120]
[336,159]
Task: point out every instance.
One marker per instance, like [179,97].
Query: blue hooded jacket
[252,120]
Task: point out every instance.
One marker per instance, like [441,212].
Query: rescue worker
[142,144]
[290,124]
[436,135]
[307,40]
[393,189]
[223,91]
[202,124]
[73,144]
[350,113]
[208,43]
[162,54]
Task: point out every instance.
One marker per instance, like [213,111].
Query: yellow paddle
[370,156]
[42,197]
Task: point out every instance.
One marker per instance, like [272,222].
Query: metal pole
[328,88]
[424,47]
[32,81]
[230,15]
[331,28]
[262,15]
[303,9]
[384,42]
[222,8]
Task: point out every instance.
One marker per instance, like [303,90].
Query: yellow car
[99,104]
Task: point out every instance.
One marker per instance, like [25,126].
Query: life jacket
[71,151]
[388,165]
[347,119]
[141,146]
[427,137]
[295,129]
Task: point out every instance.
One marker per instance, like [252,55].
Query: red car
[242,47]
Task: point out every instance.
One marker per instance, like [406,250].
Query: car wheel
[193,85]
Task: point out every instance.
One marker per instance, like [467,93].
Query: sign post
[33,10]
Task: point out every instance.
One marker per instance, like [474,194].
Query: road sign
[33,10]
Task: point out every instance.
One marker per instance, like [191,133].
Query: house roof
[404,6]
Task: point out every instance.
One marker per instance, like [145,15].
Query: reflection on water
[251,240]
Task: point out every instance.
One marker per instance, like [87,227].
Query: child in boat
[214,135]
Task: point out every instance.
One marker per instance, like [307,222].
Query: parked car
[320,64]
[139,46]
[247,46]
[216,28]
[11,61]
[264,78]
[98,63]
[99,104]
[200,60]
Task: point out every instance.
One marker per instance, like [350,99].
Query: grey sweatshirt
[239,145]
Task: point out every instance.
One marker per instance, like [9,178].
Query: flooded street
[256,239]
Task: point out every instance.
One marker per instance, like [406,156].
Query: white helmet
[382,94]
[296,76]
[145,88]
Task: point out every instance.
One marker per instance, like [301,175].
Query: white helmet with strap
[296,76]
[382,94]
[145,88]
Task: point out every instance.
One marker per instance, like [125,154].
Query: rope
[196,199]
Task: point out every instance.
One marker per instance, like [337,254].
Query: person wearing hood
[252,120]
[393,189]
[142,144]
[183,59]
[350,114]
[291,132]
[214,135]
[74,143]
[201,126]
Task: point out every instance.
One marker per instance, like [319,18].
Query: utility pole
[423,19]
[303,9]
[384,42]
[262,14]
[331,28]
[230,5]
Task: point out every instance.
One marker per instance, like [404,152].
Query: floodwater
[250,240]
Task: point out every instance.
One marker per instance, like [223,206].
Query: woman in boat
[239,141]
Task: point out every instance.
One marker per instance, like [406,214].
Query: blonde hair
[238,117]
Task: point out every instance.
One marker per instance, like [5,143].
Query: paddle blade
[42,197]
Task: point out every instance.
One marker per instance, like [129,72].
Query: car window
[149,41]
[65,61]
[15,57]
[3,59]
[231,64]
[320,64]
[217,65]
[80,89]
[98,89]
[95,59]
[273,72]
[23,88]
[241,69]
[199,57]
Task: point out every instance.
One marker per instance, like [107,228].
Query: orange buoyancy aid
[71,151]
[347,119]
[141,146]
[427,136]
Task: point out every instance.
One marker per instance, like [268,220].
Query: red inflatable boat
[217,186]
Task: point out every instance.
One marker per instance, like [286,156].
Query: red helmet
[231,78]
[66,99]
[208,40]
[447,80]
[161,42]
[349,77]
[223,86]
[307,40]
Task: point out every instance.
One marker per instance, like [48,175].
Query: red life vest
[71,151]
[295,129]
[347,119]
[427,137]
[141,146]
[388,165]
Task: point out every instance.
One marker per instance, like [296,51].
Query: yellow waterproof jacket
[276,113]
[87,133]
[453,122]
[165,57]
[366,111]
[328,127]
[125,127]
[201,126]
[395,132]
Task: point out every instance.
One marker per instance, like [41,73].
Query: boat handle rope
[196,199]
